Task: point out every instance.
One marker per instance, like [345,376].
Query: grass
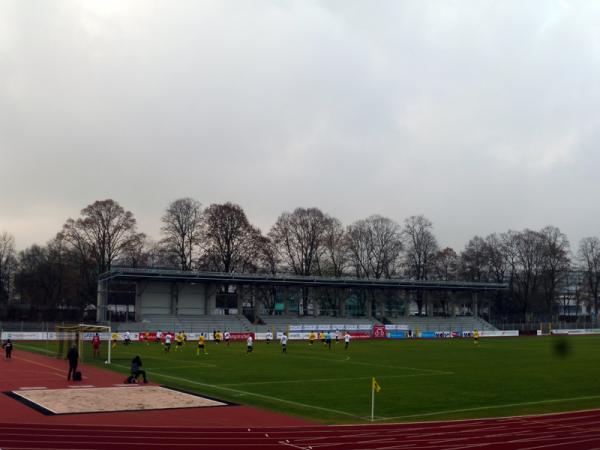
[420,379]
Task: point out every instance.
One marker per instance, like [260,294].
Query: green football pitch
[419,379]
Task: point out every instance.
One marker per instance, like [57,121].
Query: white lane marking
[81,386]
[483,408]
[347,361]
[309,380]
[31,388]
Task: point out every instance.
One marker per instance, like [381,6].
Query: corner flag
[376,386]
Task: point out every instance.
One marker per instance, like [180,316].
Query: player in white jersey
[283,341]
[167,342]
[249,344]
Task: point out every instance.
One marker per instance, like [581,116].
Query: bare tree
[589,257]
[474,260]
[135,253]
[268,262]
[104,231]
[421,247]
[556,264]
[298,238]
[332,260]
[230,243]
[182,230]
[374,246]
[446,264]
[524,252]
[7,265]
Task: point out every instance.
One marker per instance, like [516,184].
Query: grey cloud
[480,115]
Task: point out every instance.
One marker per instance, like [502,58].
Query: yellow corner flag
[376,386]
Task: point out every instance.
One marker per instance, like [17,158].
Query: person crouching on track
[136,370]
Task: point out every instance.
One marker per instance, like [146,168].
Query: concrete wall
[156,299]
[192,300]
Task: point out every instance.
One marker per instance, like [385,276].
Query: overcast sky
[481,115]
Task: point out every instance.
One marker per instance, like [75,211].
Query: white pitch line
[313,380]
[36,349]
[347,361]
[483,408]
[252,394]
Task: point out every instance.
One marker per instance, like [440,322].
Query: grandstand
[189,324]
[205,301]
[438,323]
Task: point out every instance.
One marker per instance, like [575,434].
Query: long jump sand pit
[110,399]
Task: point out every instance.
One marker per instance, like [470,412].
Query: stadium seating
[190,324]
[438,323]
[282,321]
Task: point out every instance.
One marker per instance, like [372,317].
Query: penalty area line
[361,363]
[484,408]
[320,380]
[252,394]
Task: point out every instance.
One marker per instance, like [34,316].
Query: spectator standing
[73,357]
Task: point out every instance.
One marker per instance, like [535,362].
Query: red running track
[239,427]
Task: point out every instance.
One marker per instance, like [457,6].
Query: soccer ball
[106,362]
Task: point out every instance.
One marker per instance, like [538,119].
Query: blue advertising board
[428,334]
[397,334]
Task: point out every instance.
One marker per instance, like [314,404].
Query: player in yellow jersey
[311,338]
[147,338]
[184,337]
[476,337]
[114,338]
[178,342]
[201,348]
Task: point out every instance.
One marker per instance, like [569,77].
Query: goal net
[82,336]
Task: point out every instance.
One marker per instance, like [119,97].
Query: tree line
[538,265]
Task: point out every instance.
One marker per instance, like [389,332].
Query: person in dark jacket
[8,346]
[73,357]
[136,369]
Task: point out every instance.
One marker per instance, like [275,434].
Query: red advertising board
[240,336]
[379,332]
[152,336]
[359,334]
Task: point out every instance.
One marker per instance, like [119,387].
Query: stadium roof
[129,274]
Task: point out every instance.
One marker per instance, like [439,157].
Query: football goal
[82,337]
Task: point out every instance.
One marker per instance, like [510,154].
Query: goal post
[81,336]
